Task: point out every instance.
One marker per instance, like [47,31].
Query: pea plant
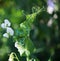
[31,36]
[20,34]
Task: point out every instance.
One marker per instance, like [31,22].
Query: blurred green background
[34,33]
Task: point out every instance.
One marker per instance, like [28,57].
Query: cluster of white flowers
[50,10]
[9,31]
[50,7]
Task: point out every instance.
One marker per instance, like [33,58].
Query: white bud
[6,35]
[16,44]
[55,16]
[50,22]
[10,59]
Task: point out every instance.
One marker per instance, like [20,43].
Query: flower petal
[55,16]
[6,35]
[50,9]
[3,25]
[10,31]
[50,6]
[50,3]
[7,23]
[21,49]
[16,44]
[50,22]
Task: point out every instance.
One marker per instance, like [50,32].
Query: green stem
[27,59]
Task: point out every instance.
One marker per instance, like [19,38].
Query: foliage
[29,30]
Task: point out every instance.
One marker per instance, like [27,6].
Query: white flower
[21,49]
[50,6]
[50,22]
[10,59]
[55,16]
[16,44]
[10,31]
[6,35]
[5,24]
[50,9]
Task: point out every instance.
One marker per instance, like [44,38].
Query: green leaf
[17,16]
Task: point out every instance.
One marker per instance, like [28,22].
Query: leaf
[17,16]
[29,45]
